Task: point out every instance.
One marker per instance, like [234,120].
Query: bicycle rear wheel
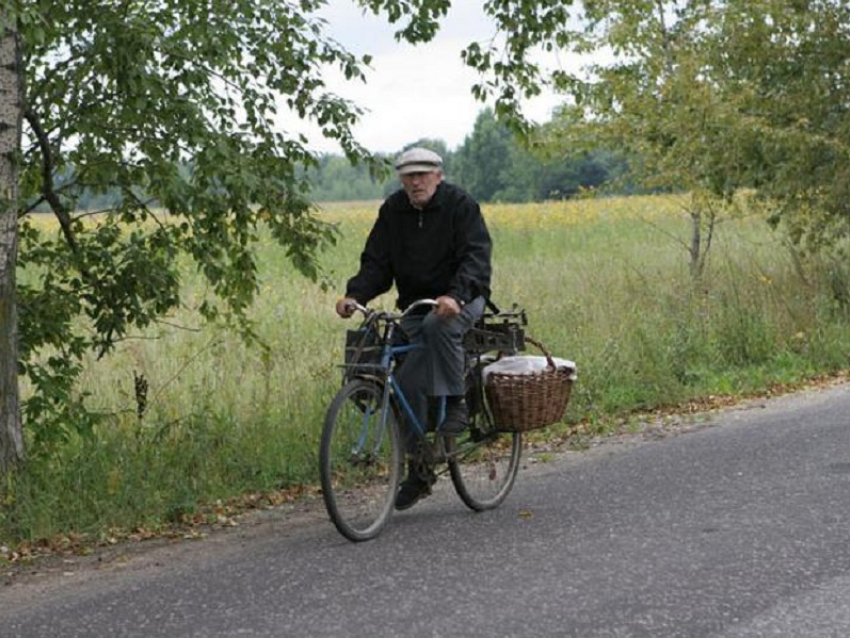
[360,460]
[483,466]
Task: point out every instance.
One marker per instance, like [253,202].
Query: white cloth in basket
[526,365]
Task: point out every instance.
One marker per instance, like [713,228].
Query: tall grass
[605,283]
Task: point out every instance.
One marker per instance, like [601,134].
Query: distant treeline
[491,165]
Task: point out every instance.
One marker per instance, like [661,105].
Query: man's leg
[435,371]
[413,381]
[445,360]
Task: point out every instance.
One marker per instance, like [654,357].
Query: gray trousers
[437,369]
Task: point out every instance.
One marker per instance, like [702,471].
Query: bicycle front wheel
[483,467]
[360,460]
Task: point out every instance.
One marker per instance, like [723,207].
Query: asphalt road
[737,528]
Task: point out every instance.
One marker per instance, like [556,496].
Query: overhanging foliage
[185,108]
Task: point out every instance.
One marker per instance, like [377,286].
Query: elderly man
[430,240]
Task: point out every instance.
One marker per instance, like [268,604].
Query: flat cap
[418,160]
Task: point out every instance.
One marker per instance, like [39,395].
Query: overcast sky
[412,91]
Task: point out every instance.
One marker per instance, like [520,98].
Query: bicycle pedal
[428,481]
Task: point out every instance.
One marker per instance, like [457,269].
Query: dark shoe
[411,491]
[457,417]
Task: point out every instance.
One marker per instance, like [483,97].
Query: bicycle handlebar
[419,303]
[368,312]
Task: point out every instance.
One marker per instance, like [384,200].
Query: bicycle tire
[483,472]
[360,462]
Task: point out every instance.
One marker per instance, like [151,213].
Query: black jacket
[444,249]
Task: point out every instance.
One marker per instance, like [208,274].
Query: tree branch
[47,165]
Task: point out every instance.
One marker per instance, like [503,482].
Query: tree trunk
[695,251]
[703,220]
[11,108]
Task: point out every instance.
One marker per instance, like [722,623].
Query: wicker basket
[527,401]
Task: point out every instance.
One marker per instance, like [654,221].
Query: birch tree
[11,437]
[188,111]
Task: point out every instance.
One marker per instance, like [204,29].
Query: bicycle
[361,457]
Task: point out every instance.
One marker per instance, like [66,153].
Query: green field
[605,283]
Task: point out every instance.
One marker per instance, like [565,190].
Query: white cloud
[412,91]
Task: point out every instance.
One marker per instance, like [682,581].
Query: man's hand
[345,307]
[447,307]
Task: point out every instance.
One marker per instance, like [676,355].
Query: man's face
[420,187]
